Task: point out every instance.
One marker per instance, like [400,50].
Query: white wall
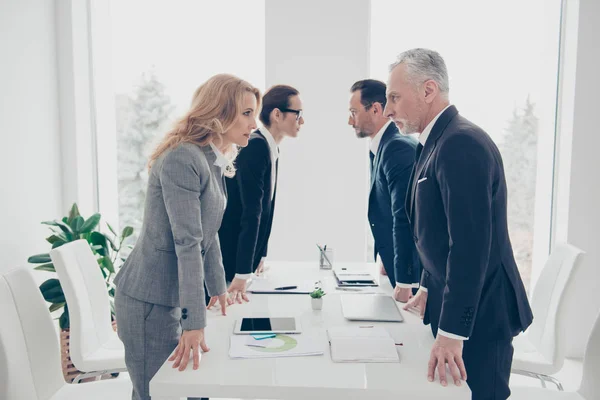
[76,103]
[29,124]
[584,199]
[319,170]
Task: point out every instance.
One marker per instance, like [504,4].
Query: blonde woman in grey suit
[160,300]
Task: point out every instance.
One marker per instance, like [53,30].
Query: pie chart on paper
[279,344]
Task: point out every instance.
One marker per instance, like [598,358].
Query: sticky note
[263,336]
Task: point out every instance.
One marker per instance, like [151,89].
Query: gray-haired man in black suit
[474,296]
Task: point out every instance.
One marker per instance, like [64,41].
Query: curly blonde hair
[216,105]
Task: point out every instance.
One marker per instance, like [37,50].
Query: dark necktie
[418,153]
[372,158]
[276,175]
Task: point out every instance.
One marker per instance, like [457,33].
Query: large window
[502,59]
[161,51]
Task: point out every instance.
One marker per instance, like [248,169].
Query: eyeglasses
[353,112]
[297,112]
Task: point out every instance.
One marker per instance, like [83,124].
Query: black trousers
[488,366]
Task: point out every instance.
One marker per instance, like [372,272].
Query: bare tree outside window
[502,61]
[519,153]
[142,120]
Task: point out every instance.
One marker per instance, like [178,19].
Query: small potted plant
[316,298]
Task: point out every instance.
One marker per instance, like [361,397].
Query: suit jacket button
[203,252]
[372,224]
[184,310]
[184,316]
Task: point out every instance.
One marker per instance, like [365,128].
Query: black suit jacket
[457,207]
[246,226]
[388,219]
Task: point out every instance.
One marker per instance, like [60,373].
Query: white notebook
[362,345]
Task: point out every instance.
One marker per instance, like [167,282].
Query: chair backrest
[590,381]
[29,346]
[547,331]
[87,298]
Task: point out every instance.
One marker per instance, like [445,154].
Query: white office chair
[30,351]
[540,351]
[95,348]
[590,382]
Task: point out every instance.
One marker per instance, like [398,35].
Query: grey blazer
[178,248]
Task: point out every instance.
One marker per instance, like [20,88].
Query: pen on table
[398,344]
[286,287]
[324,247]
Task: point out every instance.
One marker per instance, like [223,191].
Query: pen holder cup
[326,258]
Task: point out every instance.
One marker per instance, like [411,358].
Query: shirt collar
[271,141]
[377,139]
[221,160]
[425,134]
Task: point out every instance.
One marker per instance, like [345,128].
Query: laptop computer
[364,307]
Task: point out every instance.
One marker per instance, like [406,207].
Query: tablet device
[248,326]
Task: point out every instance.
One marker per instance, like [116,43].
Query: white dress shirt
[221,162]
[425,134]
[374,146]
[274,150]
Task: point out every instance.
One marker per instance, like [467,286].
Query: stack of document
[362,345]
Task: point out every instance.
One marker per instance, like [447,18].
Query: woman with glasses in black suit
[246,226]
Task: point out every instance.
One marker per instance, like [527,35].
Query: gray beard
[407,129]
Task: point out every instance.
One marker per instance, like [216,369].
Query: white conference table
[315,377]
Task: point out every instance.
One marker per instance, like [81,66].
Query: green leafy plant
[106,247]
[317,293]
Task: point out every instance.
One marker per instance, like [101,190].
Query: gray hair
[422,65]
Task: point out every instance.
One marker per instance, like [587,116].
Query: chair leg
[92,374]
[552,379]
[543,378]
